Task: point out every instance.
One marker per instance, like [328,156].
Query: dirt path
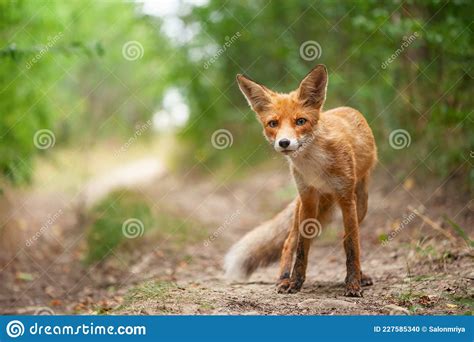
[432,277]
[417,271]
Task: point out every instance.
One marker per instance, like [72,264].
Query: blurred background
[126,146]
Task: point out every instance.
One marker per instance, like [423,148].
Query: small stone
[327,303]
[308,302]
[396,310]
[250,313]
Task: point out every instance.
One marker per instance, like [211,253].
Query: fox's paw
[295,285]
[283,285]
[365,280]
[289,286]
[353,289]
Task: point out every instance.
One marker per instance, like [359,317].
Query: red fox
[331,156]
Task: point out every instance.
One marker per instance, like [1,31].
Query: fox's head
[288,120]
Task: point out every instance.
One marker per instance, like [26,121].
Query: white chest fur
[312,167]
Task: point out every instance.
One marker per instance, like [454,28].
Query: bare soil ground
[420,270]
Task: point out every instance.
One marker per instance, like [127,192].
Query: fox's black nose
[284,143]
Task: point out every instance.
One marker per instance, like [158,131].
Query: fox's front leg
[307,219]
[351,245]
[289,247]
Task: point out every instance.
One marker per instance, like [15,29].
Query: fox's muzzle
[286,140]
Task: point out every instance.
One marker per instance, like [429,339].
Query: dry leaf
[408,184]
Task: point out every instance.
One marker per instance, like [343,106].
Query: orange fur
[331,155]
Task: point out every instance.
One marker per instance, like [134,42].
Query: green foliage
[109,226]
[123,217]
[461,232]
[151,290]
[403,64]
[466,303]
[177,230]
[62,69]
[156,291]
[425,89]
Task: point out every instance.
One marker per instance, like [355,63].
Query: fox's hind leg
[362,198]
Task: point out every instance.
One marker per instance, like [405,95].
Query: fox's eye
[300,121]
[272,123]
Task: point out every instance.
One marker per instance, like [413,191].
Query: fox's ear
[257,95]
[312,90]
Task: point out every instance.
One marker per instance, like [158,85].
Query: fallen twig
[432,224]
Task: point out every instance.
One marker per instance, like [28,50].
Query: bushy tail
[259,247]
[263,245]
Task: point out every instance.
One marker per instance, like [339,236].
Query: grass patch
[155,290]
[461,232]
[415,301]
[405,297]
[121,215]
[206,306]
[177,230]
[128,217]
[163,297]
[466,303]
[424,277]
